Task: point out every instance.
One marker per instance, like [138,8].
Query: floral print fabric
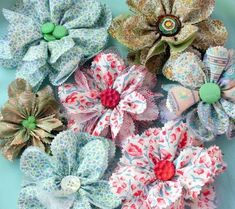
[109,82]
[206,120]
[136,180]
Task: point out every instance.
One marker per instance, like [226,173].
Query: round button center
[210,93]
[168,25]
[110,98]
[29,123]
[70,184]
[164,170]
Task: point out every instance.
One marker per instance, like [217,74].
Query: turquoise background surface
[10,175]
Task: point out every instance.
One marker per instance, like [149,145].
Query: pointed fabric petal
[193,11]
[183,39]
[128,181]
[188,70]
[59,47]
[18,25]
[49,123]
[35,164]
[134,32]
[216,60]
[193,170]
[116,121]
[197,127]
[211,33]
[229,107]
[82,15]
[83,81]
[101,196]
[149,8]
[138,202]
[8,130]
[164,194]
[130,81]
[28,198]
[106,68]
[213,117]
[92,165]
[181,99]
[228,78]
[229,94]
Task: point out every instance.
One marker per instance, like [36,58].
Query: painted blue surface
[10,176]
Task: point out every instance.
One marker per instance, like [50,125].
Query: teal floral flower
[51,37]
[72,177]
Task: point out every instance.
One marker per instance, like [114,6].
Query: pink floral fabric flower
[109,98]
[164,169]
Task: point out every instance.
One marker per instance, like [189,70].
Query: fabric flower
[165,170]
[159,28]
[28,119]
[72,177]
[207,96]
[51,37]
[109,97]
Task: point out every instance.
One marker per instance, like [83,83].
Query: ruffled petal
[106,68]
[101,196]
[193,170]
[181,99]
[217,59]
[211,33]
[188,70]
[130,81]
[164,195]
[35,164]
[60,47]
[28,198]
[84,15]
[19,23]
[116,121]
[193,11]
[135,32]
[229,107]
[128,181]
[183,39]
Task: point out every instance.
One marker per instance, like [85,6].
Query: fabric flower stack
[100,142]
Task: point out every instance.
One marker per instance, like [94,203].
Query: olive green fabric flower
[28,119]
[159,29]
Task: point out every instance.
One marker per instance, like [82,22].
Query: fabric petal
[35,164]
[130,81]
[188,70]
[193,11]
[216,60]
[183,39]
[106,67]
[229,108]
[28,198]
[84,15]
[211,33]
[18,25]
[116,121]
[101,196]
[164,194]
[193,170]
[59,47]
[135,203]
[135,32]
[227,81]
[180,99]
[229,94]
[128,181]
[81,202]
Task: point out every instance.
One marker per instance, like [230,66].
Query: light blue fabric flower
[29,50]
[72,177]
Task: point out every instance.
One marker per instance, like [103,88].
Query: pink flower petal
[116,121]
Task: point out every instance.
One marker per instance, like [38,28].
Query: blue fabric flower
[77,31]
[72,177]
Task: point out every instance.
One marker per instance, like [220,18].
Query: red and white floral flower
[110,97]
[165,168]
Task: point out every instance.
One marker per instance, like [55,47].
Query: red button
[164,170]
[110,98]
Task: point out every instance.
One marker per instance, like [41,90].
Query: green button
[48,28]
[49,37]
[29,123]
[60,31]
[210,93]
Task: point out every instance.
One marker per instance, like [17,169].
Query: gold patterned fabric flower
[28,119]
[160,29]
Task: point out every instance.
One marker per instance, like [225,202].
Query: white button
[70,184]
